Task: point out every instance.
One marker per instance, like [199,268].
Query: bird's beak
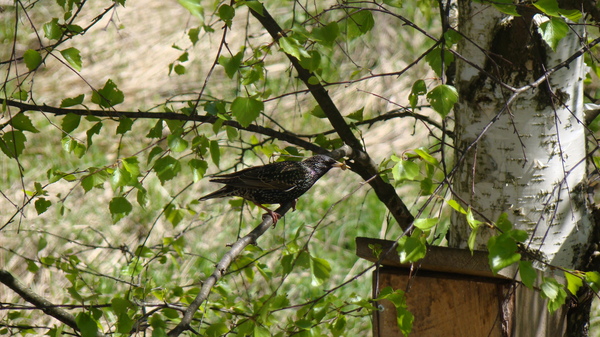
[343,166]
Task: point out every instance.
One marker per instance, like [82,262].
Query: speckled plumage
[275,183]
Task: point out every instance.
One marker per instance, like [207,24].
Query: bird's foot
[274,215]
[294,205]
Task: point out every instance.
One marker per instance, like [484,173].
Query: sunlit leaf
[442,98]
[73,57]
[32,59]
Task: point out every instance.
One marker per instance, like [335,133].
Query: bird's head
[322,163]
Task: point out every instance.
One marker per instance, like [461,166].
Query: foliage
[101,180]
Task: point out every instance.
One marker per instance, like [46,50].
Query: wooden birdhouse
[450,292]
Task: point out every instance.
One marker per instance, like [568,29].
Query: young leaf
[194,7]
[359,23]
[72,56]
[68,102]
[108,96]
[231,64]
[86,324]
[22,122]
[41,205]
[502,252]
[442,99]
[528,273]
[412,248]
[32,59]
[574,282]
[405,170]
[246,109]
[119,207]
[13,143]
[167,168]
[292,47]
[52,29]
[553,31]
[554,292]
[199,168]
[125,124]
[426,224]
[320,270]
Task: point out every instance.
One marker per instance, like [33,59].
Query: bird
[275,183]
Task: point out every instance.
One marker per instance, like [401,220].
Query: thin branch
[221,268]
[40,302]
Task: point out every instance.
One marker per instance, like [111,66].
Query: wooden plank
[444,304]
[439,259]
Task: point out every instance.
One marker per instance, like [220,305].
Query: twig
[221,268]
[40,302]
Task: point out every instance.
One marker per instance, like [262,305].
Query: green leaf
[571,14]
[473,238]
[21,95]
[246,109]
[41,205]
[174,215]
[94,130]
[166,168]
[120,178]
[442,99]
[70,122]
[193,34]
[554,292]
[95,179]
[549,7]
[574,282]
[119,207]
[69,102]
[426,224]
[528,273]
[131,165]
[32,59]
[592,278]
[86,324]
[226,13]
[22,122]
[318,112]
[503,223]
[72,56]
[426,156]
[256,6]
[194,7]
[231,64]
[326,34]
[156,131]
[502,252]
[471,219]
[359,23]
[506,7]
[456,206]
[199,168]
[434,59]
[394,3]
[292,47]
[404,318]
[125,124]
[405,170]
[553,31]
[215,152]
[217,329]
[412,248]
[419,88]
[13,143]
[71,145]
[357,115]
[320,271]
[108,96]
[176,143]
[52,29]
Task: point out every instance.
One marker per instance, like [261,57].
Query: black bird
[275,183]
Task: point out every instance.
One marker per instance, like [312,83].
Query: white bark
[530,163]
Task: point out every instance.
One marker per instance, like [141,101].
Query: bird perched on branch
[275,183]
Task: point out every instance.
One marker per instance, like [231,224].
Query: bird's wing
[271,178]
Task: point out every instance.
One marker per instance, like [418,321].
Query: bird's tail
[223,192]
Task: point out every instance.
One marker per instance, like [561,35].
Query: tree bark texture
[526,158]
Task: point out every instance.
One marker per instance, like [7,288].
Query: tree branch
[40,302]
[363,164]
[285,136]
[221,268]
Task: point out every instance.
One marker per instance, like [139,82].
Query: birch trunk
[531,162]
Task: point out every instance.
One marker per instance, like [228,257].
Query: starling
[275,183]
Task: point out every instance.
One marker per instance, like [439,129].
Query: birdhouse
[450,292]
